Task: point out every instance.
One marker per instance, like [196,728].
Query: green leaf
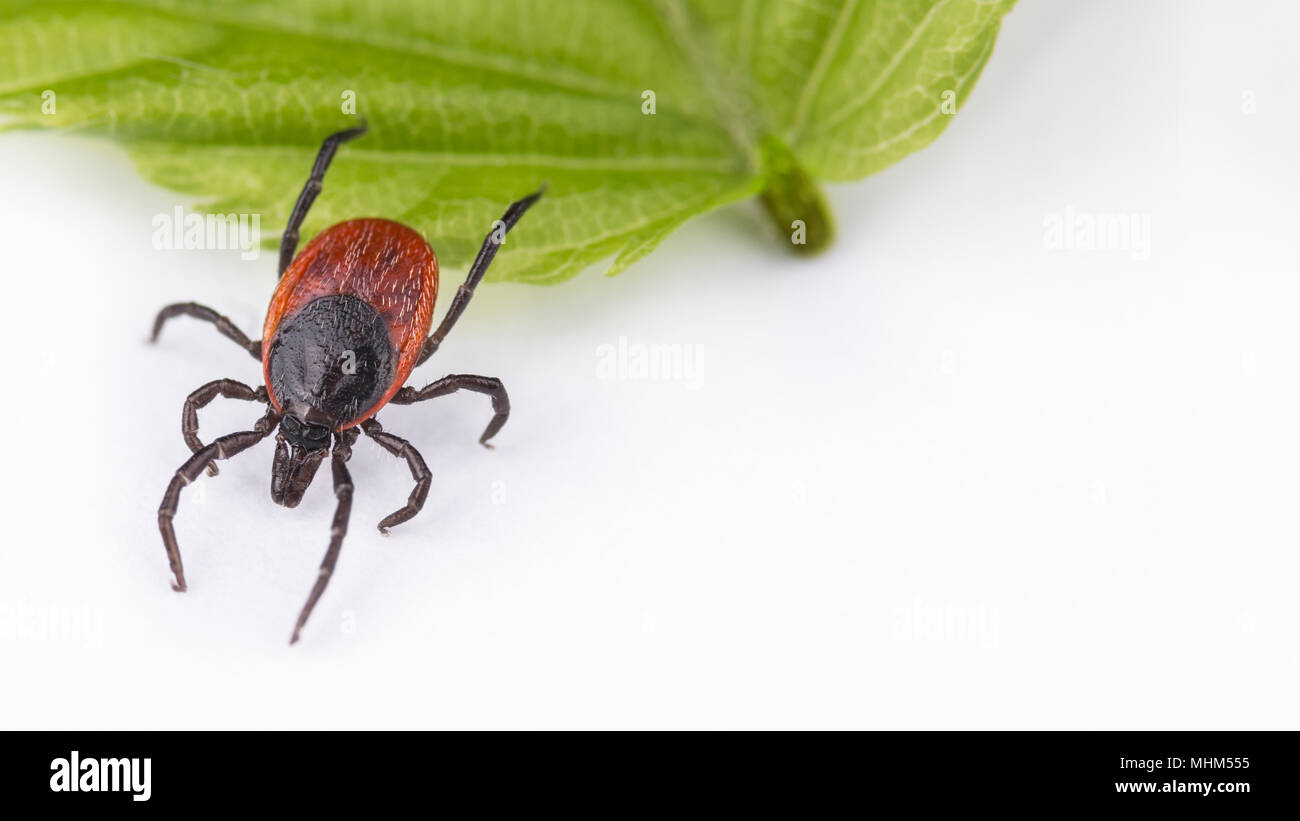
[472,104]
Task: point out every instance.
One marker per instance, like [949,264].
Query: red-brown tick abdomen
[383,263]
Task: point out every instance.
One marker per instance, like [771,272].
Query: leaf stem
[793,200]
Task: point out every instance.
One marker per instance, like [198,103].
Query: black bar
[959,770]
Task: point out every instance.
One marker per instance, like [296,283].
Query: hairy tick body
[346,326]
[348,320]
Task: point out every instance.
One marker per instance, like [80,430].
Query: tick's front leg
[223,448]
[420,472]
[230,389]
[488,385]
[338,528]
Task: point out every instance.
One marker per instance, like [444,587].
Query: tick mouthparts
[292,472]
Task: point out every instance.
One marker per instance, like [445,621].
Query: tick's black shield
[335,356]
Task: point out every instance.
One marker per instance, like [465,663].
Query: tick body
[348,323]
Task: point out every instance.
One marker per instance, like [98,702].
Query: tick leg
[203,312]
[228,388]
[420,472]
[489,385]
[289,240]
[343,493]
[223,448]
[476,271]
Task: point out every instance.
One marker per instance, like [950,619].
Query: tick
[347,324]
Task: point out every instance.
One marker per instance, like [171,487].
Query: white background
[942,477]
